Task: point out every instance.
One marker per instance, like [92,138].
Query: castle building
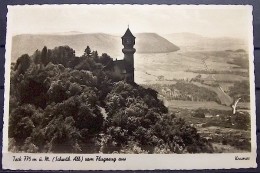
[124,69]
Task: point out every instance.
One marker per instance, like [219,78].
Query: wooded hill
[63,103]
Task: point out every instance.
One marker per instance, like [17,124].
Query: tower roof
[128,34]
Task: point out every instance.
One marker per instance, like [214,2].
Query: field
[210,83]
[179,65]
[175,104]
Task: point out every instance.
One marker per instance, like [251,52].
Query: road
[224,98]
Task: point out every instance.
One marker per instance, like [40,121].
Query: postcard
[129,87]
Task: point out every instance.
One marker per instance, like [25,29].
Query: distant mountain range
[110,44]
[103,43]
[194,42]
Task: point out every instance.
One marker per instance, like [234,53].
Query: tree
[37,57]
[62,55]
[57,91]
[87,51]
[62,135]
[22,64]
[200,113]
[95,55]
[44,56]
[105,59]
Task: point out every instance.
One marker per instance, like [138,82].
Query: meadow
[184,65]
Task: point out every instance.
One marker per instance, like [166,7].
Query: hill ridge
[102,42]
[196,42]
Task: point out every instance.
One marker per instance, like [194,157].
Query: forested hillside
[61,103]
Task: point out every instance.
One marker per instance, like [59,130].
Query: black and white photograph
[130,80]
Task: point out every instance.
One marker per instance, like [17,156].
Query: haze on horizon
[209,21]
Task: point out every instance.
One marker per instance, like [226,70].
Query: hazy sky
[208,21]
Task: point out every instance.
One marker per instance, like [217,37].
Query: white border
[140,161]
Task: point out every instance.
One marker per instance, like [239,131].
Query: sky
[210,21]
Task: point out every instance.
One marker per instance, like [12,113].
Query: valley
[199,87]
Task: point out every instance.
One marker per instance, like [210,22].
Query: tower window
[128,41]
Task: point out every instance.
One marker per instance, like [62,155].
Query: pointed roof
[128,34]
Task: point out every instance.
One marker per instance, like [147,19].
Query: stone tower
[128,41]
